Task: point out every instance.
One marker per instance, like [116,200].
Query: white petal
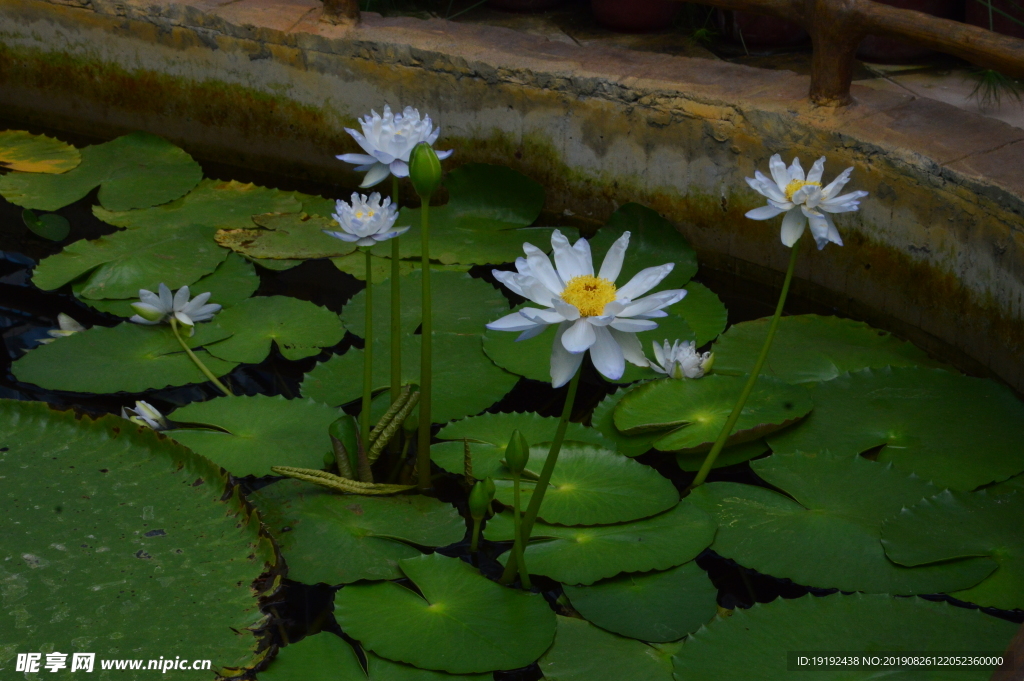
[565,309]
[530,333]
[509,280]
[511,322]
[564,364]
[796,172]
[793,226]
[644,280]
[779,172]
[767,187]
[823,229]
[613,308]
[548,316]
[655,301]
[659,352]
[357,159]
[764,212]
[814,174]
[612,264]
[543,270]
[152,299]
[578,337]
[607,355]
[634,325]
[181,298]
[400,168]
[375,175]
[582,247]
[837,184]
[344,236]
[184,319]
[845,198]
[141,320]
[166,301]
[442,155]
[567,261]
[631,348]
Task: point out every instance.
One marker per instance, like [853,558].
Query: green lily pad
[24,152]
[583,555]
[760,643]
[810,348]
[829,537]
[275,265]
[135,171]
[956,431]
[257,432]
[704,312]
[380,669]
[1007,486]
[582,652]
[483,221]
[603,421]
[690,413]
[462,623]
[729,456]
[213,203]
[593,486]
[298,327]
[233,281]
[47,225]
[126,358]
[488,435]
[296,236]
[122,263]
[651,606]
[342,538]
[117,540]
[355,264]
[955,525]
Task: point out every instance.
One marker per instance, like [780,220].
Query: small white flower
[157,308]
[68,326]
[803,199]
[366,220]
[591,313]
[145,414]
[387,141]
[680,360]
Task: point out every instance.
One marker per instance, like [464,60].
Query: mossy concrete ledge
[936,251]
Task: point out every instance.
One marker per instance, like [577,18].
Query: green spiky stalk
[338,483]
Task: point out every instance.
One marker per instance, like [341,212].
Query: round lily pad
[462,623]
[954,525]
[651,606]
[956,431]
[286,236]
[117,540]
[591,486]
[135,171]
[27,153]
[47,225]
[298,327]
[810,348]
[829,537]
[603,421]
[762,643]
[583,555]
[255,433]
[729,456]
[704,312]
[582,652]
[343,538]
[690,413]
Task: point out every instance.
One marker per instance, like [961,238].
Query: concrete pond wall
[936,252]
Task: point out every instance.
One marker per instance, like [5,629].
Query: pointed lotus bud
[424,170]
[480,498]
[517,453]
[345,437]
[148,312]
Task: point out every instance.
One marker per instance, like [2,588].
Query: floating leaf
[582,652]
[126,358]
[690,413]
[339,539]
[27,153]
[105,520]
[651,606]
[956,431]
[286,236]
[298,327]
[602,420]
[955,525]
[704,312]
[48,225]
[380,669]
[124,262]
[135,171]
[583,555]
[758,643]
[730,456]
[257,432]
[810,348]
[828,537]
[462,623]
[355,264]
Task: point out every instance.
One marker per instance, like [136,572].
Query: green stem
[423,441]
[364,414]
[517,547]
[198,362]
[396,308]
[730,423]
[545,477]
[476,535]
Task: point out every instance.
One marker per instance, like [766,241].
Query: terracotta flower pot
[635,16]
[759,31]
[524,5]
[894,51]
[977,14]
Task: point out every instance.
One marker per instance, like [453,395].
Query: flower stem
[423,440]
[198,362]
[545,478]
[364,414]
[730,423]
[396,309]
[517,547]
[475,540]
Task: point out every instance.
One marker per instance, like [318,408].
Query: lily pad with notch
[289,236]
[21,151]
[703,311]
[582,652]
[299,328]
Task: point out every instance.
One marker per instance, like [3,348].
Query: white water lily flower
[591,312]
[156,308]
[145,414]
[680,360]
[388,141]
[68,327]
[366,220]
[803,199]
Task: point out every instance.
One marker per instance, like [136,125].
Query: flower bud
[517,453]
[345,438]
[424,170]
[708,363]
[480,498]
[148,312]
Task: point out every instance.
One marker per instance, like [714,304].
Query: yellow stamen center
[360,214]
[794,186]
[589,294]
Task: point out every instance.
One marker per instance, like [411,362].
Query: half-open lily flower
[590,311]
[681,360]
[803,199]
[145,414]
[156,308]
[68,326]
[366,220]
[388,141]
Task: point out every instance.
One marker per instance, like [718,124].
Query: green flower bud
[708,363]
[424,170]
[517,453]
[147,312]
[345,432]
[480,498]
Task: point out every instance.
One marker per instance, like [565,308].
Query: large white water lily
[145,414]
[680,360]
[388,141]
[366,220]
[803,200]
[68,327]
[590,311]
[155,308]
